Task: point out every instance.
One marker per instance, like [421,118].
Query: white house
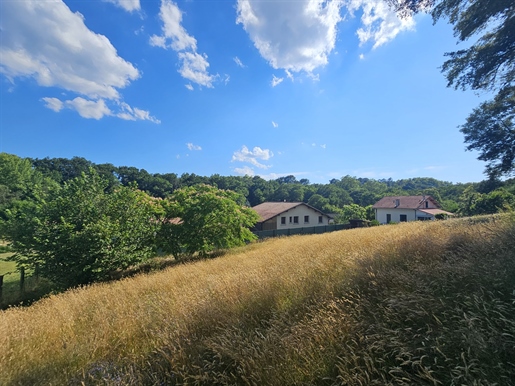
[287,215]
[407,208]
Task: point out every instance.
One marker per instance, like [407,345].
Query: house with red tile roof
[407,208]
[288,215]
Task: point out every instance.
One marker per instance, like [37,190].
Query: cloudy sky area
[318,89]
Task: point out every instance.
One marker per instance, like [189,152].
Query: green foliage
[18,180]
[79,233]
[352,212]
[203,218]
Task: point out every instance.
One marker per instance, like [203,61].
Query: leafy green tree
[18,179]
[202,218]
[487,64]
[79,233]
[352,212]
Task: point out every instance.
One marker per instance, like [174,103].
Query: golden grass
[294,310]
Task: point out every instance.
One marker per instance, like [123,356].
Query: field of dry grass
[416,303]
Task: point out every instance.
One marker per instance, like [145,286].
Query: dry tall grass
[424,303]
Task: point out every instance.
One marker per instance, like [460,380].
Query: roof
[268,210]
[403,202]
[436,211]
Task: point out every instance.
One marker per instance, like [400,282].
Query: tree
[79,233]
[352,212]
[203,218]
[488,64]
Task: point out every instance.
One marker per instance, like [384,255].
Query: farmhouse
[407,208]
[288,215]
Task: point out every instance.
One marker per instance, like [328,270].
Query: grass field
[418,303]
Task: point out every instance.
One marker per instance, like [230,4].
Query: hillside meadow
[429,303]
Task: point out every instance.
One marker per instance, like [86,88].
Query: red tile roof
[268,210]
[404,202]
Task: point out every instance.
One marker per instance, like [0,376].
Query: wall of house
[299,212]
[396,213]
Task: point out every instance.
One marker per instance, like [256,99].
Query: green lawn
[7,267]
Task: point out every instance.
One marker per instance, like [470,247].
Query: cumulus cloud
[291,35]
[191,146]
[48,42]
[252,156]
[380,23]
[245,171]
[128,5]
[300,35]
[53,104]
[97,109]
[193,66]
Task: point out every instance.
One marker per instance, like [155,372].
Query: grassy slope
[422,303]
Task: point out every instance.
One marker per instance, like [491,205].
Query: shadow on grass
[36,288]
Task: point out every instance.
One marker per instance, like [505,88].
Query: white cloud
[89,109]
[238,62]
[245,171]
[193,147]
[380,23]
[276,81]
[292,35]
[324,146]
[194,66]
[189,86]
[48,42]
[134,114]
[252,157]
[97,109]
[53,104]
[274,124]
[128,5]
[361,56]
[300,35]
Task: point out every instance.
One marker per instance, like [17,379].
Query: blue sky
[317,89]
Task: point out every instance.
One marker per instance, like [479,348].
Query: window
[290,219]
[283,220]
[403,217]
[427,204]
[388,218]
[295,219]
[306,219]
[320,219]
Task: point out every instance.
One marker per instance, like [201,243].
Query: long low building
[407,208]
[288,215]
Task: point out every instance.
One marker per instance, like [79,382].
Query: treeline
[346,196]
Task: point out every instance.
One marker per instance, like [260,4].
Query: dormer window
[397,202]
[427,204]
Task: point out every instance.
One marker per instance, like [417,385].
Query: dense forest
[347,196]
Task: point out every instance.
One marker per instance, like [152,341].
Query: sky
[315,89]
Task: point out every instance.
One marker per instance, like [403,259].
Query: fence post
[22,279]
